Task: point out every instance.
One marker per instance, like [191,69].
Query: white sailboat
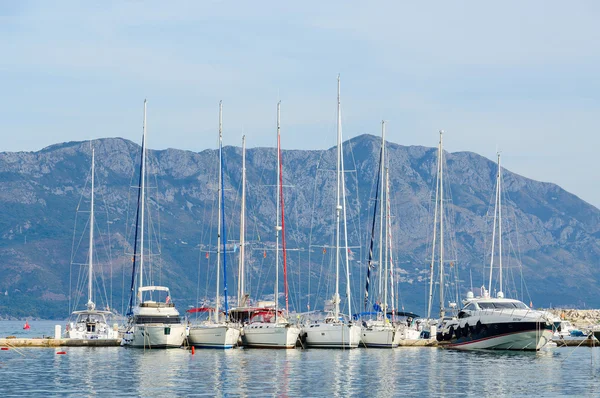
[91,324]
[380,332]
[269,327]
[154,322]
[497,323]
[217,331]
[336,331]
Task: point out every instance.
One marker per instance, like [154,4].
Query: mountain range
[551,238]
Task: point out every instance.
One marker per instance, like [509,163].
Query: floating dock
[49,342]
[418,343]
[577,343]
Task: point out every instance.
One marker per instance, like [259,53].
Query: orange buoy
[193,350]
[4,348]
[61,352]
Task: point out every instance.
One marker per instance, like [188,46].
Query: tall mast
[346,250]
[277,222]
[435,215]
[496,200]
[338,209]
[381,210]
[500,293]
[370,260]
[391,270]
[241,271]
[282,204]
[90,303]
[219,211]
[143,204]
[442,311]
[387,236]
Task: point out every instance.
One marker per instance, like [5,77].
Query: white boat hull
[379,337]
[270,335]
[332,335]
[527,340]
[155,336]
[214,336]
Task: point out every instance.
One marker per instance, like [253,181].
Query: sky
[518,77]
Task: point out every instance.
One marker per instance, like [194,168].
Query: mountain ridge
[559,233]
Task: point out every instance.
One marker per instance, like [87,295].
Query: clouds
[517,76]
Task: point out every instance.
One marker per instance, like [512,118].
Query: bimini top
[153,288]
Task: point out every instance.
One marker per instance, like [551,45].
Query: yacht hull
[155,336]
[265,335]
[530,336]
[213,336]
[380,337]
[332,335]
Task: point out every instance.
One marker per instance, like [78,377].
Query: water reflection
[248,373]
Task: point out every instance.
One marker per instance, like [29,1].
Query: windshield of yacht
[94,318]
[498,305]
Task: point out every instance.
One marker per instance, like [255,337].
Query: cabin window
[167,331]
[157,319]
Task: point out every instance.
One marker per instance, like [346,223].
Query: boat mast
[241,271]
[381,210]
[346,250]
[142,205]
[277,223]
[90,303]
[442,311]
[435,215]
[282,203]
[132,295]
[369,265]
[494,226]
[387,236]
[219,209]
[391,271]
[338,209]
[500,293]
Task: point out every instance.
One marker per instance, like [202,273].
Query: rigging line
[311,229]
[211,184]
[369,261]
[356,220]
[283,246]
[135,239]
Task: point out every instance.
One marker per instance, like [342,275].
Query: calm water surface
[245,372]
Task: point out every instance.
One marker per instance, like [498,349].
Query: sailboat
[269,327]
[380,332]
[336,331]
[217,331]
[498,323]
[91,324]
[153,322]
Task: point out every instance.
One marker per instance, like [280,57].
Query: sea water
[116,371]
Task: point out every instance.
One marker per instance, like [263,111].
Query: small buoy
[26,326]
[61,352]
[193,350]
[4,348]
